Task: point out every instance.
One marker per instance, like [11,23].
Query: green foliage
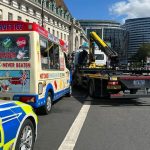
[142,53]
[139,59]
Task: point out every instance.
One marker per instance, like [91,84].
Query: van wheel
[91,88]
[26,136]
[48,105]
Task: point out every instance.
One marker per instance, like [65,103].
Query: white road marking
[73,133]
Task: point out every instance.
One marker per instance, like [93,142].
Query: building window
[61,12]
[27,20]
[65,37]
[19,6]
[19,18]
[1,14]
[49,30]
[27,9]
[61,36]
[47,4]
[54,6]
[57,34]
[58,11]
[39,1]
[50,5]
[34,13]
[49,20]
[39,22]
[10,16]
[10,2]
[53,32]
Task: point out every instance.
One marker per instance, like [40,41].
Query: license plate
[139,82]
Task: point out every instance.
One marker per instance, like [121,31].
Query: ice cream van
[32,65]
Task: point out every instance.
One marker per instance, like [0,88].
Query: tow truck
[108,80]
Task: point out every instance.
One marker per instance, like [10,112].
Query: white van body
[100,58]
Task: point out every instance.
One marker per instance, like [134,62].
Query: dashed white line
[73,133]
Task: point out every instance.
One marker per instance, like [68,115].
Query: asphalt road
[109,125]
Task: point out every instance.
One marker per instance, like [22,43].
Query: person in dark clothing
[83,56]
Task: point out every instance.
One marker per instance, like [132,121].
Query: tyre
[91,88]
[26,138]
[48,105]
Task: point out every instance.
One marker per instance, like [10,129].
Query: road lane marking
[73,133]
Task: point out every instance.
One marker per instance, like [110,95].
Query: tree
[140,57]
[142,53]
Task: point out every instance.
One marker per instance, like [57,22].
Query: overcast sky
[118,10]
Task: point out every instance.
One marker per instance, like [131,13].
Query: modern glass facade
[111,32]
[139,33]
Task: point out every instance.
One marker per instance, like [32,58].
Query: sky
[117,10]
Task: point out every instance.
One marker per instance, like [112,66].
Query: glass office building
[139,33]
[111,32]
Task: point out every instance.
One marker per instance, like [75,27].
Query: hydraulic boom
[111,54]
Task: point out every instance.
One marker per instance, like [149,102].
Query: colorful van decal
[15,81]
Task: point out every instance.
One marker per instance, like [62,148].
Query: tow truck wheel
[48,105]
[91,88]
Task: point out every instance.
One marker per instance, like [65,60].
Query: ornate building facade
[57,19]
